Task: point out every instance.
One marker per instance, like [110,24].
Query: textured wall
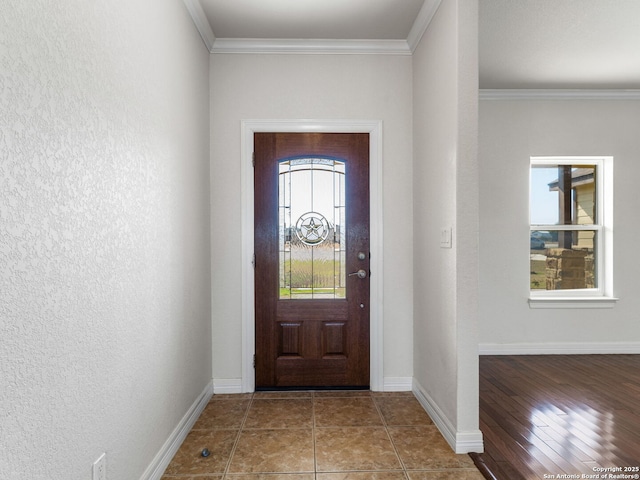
[445,188]
[511,131]
[369,87]
[104,233]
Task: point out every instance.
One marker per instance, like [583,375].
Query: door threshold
[306,389]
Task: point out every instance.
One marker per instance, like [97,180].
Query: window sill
[572,302]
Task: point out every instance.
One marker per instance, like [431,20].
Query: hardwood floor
[544,416]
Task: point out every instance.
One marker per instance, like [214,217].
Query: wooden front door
[312,259]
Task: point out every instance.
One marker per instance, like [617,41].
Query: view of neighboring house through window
[570,228]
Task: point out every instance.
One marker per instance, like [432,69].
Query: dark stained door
[312,260]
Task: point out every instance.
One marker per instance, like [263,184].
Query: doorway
[311,239]
[249,127]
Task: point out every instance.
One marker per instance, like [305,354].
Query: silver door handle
[360,273]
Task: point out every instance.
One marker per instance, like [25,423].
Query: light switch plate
[445,237]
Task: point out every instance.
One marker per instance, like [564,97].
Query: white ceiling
[571,44]
[560,44]
[312,19]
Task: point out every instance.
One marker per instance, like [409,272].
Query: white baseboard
[397,384]
[460,442]
[227,385]
[559,348]
[162,459]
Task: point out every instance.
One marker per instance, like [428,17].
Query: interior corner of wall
[227,386]
[459,441]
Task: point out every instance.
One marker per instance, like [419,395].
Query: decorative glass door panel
[312,228]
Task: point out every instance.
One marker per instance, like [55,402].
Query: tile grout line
[313,434]
[380,403]
[386,429]
[225,473]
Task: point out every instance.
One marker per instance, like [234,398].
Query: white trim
[227,385]
[559,94]
[201,22]
[374,129]
[572,302]
[310,46]
[421,23]
[602,296]
[162,459]
[398,384]
[584,348]
[460,442]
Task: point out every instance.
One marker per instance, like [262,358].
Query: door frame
[374,129]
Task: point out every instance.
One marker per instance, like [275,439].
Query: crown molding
[310,46]
[420,25]
[201,21]
[559,94]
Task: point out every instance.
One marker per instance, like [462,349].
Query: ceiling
[535,44]
[316,19]
[577,44]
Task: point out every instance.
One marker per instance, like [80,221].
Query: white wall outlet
[100,468]
[445,237]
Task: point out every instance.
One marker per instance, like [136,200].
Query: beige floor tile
[422,448]
[346,412]
[354,448]
[341,393]
[361,476]
[280,413]
[273,451]
[232,396]
[343,435]
[294,394]
[402,411]
[191,477]
[392,394]
[222,414]
[453,474]
[189,460]
[272,476]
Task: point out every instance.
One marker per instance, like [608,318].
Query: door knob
[360,273]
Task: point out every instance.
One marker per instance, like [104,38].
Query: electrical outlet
[100,468]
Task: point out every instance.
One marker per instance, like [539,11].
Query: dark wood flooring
[559,414]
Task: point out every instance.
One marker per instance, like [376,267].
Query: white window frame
[602,295]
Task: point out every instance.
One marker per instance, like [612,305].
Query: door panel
[311,233]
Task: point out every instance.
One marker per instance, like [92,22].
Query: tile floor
[328,435]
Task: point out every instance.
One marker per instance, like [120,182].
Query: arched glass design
[311,226]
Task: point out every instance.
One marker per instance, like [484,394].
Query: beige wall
[445,196]
[104,233]
[511,131]
[322,87]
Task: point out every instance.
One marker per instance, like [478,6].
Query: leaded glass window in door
[312,245]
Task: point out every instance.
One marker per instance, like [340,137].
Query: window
[571,248]
[312,225]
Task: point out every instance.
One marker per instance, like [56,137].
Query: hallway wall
[104,233]
[323,87]
[445,176]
